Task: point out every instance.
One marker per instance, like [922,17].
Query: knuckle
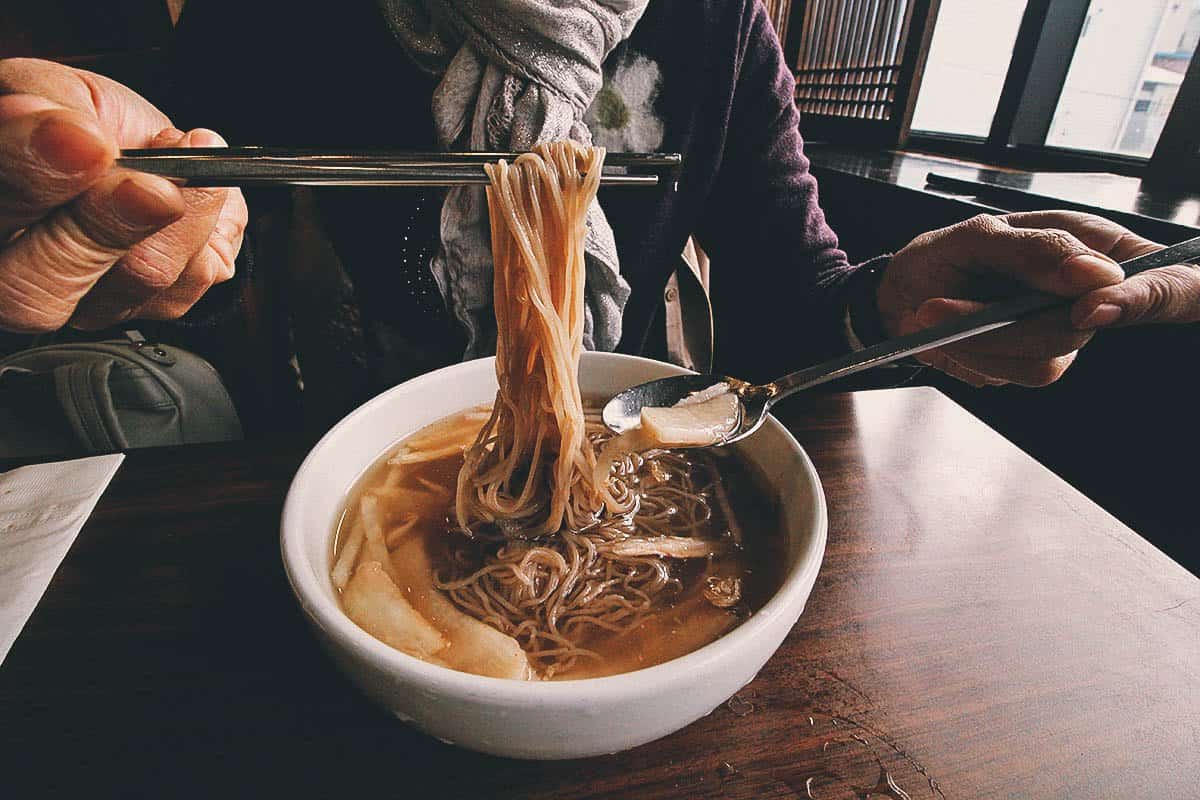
[1156,297]
[983,225]
[210,270]
[202,271]
[1125,241]
[101,100]
[63,244]
[224,252]
[1057,241]
[228,268]
[984,222]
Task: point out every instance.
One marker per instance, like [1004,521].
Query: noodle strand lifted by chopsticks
[556,549]
[531,466]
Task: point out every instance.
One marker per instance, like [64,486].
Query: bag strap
[82,389]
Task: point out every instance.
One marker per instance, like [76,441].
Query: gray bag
[97,397]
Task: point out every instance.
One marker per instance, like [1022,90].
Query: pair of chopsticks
[266,166]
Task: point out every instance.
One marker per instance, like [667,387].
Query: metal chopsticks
[264,166]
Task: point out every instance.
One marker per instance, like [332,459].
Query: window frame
[1032,89]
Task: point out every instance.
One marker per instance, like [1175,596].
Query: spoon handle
[995,316]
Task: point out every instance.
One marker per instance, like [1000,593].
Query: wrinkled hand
[954,271]
[84,243]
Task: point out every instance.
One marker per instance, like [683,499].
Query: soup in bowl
[698,659]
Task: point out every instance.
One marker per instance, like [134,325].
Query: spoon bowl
[623,412]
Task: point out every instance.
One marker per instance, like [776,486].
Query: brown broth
[682,622]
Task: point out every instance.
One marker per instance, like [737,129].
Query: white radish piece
[668,547]
[374,545]
[689,423]
[347,556]
[379,607]
[474,646]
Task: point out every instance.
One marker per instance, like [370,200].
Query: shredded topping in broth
[553,594]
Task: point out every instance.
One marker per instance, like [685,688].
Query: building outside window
[1126,72]
[1128,60]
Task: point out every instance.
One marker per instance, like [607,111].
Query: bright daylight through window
[968,61]
[1127,69]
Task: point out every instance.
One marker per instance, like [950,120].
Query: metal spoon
[623,412]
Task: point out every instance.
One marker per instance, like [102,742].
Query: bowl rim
[324,612]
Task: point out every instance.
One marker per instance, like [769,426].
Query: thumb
[48,155]
[1167,294]
[50,266]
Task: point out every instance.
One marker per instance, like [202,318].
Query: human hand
[952,272]
[84,243]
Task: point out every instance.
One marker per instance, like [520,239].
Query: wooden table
[979,630]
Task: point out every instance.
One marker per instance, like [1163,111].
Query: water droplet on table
[842,760]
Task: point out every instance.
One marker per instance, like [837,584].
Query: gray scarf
[514,73]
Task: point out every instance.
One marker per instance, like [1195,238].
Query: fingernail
[147,201]
[1088,271]
[1102,315]
[203,137]
[67,147]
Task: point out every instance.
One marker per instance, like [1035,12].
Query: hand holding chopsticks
[86,245]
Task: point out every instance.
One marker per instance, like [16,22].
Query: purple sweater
[723,99]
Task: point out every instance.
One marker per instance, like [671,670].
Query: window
[1103,83]
[1128,66]
[965,72]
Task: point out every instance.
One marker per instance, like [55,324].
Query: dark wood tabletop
[979,629]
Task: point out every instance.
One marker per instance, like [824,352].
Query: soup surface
[721,502]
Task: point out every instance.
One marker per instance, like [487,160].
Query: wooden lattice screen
[779,11]
[857,64]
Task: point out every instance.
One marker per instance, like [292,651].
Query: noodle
[532,473]
[556,541]
[552,594]
[531,465]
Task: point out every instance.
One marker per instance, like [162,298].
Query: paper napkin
[42,508]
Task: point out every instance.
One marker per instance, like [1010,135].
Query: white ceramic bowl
[544,720]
